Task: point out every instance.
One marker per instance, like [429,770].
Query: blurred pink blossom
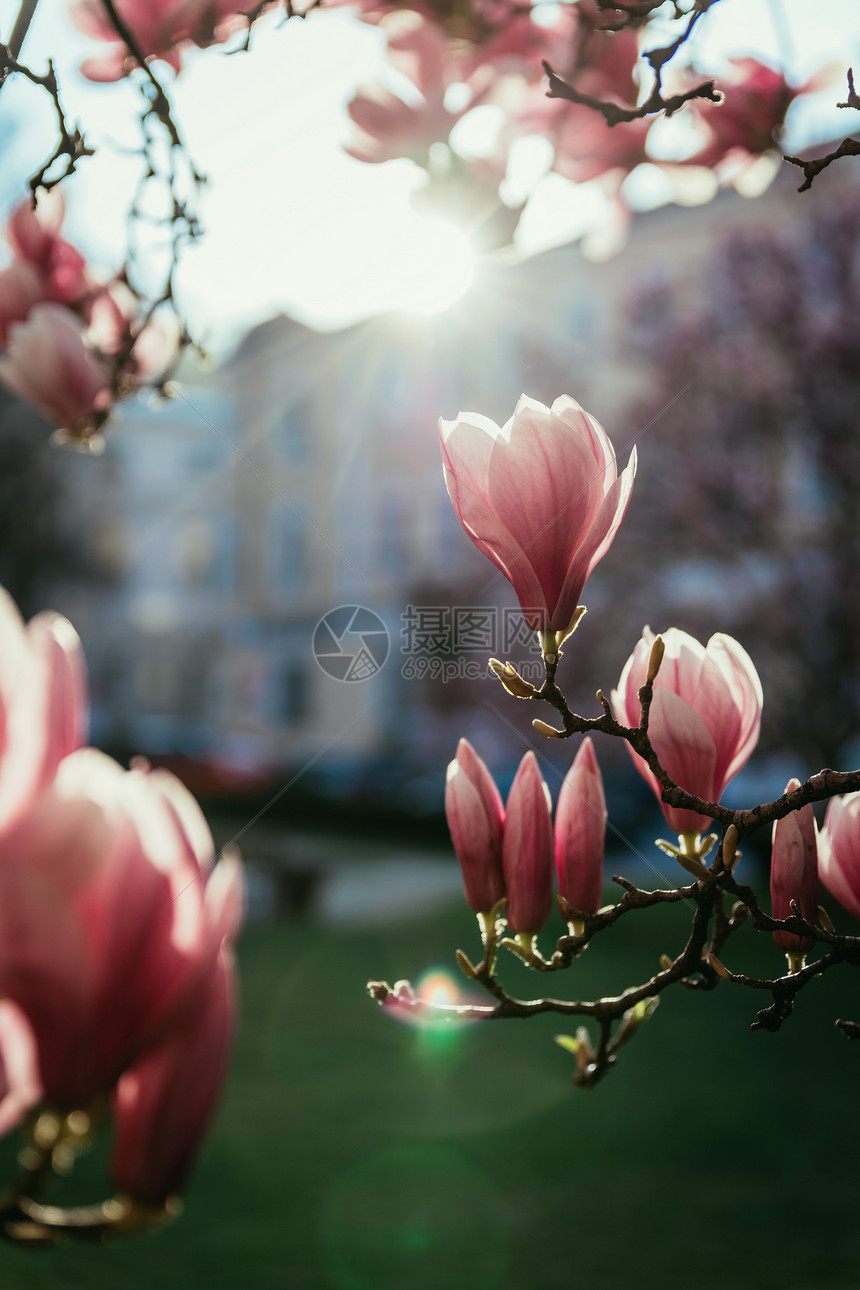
[164,1102]
[20,290]
[112,919]
[160,27]
[839,851]
[705,715]
[388,125]
[49,364]
[34,236]
[541,497]
[42,705]
[755,100]
[20,1085]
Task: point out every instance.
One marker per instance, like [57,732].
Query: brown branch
[853,100]
[826,783]
[159,102]
[21,26]
[614,114]
[70,144]
[847,148]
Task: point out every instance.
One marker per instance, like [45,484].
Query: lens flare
[435,267]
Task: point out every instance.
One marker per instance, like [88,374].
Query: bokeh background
[298,473]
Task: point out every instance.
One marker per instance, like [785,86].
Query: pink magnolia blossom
[114,328]
[755,101]
[160,27]
[20,1085]
[49,364]
[527,849]
[163,1103]
[34,236]
[540,497]
[705,715]
[20,290]
[388,125]
[580,832]
[473,806]
[794,872]
[839,851]
[111,919]
[42,705]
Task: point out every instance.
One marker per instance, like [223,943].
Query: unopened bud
[544,729]
[721,970]
[658,649]
[633,1017]
[825,920]
[731,855]
[511,680]
[465,966]
[585,1053]
[665,962]
[567,1042]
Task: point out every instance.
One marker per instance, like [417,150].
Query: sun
[429,266]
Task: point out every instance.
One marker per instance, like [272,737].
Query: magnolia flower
[48,364]
[160,27]
[580,832]
[112,919]
[389,126]
[839,851]
[20,1085]
[42,705]
[33,233]
[163,1104]
[540,497]
[116,924]
[20,290]
[473,806]
[705,715]
[794,872]
[527,849]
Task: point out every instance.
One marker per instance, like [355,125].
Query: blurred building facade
[220,527]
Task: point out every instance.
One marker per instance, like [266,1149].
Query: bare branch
[847,148]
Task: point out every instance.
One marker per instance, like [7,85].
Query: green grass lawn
[355,1153]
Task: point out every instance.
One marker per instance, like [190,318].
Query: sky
[292,223]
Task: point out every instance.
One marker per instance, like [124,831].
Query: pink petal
[839,851]
[163,1105]
[686,752]
[20,1085]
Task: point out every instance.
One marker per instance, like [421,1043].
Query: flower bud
[527,849]
[580,831]
[794,872]
[475,814]
[704,716]
[511,680]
